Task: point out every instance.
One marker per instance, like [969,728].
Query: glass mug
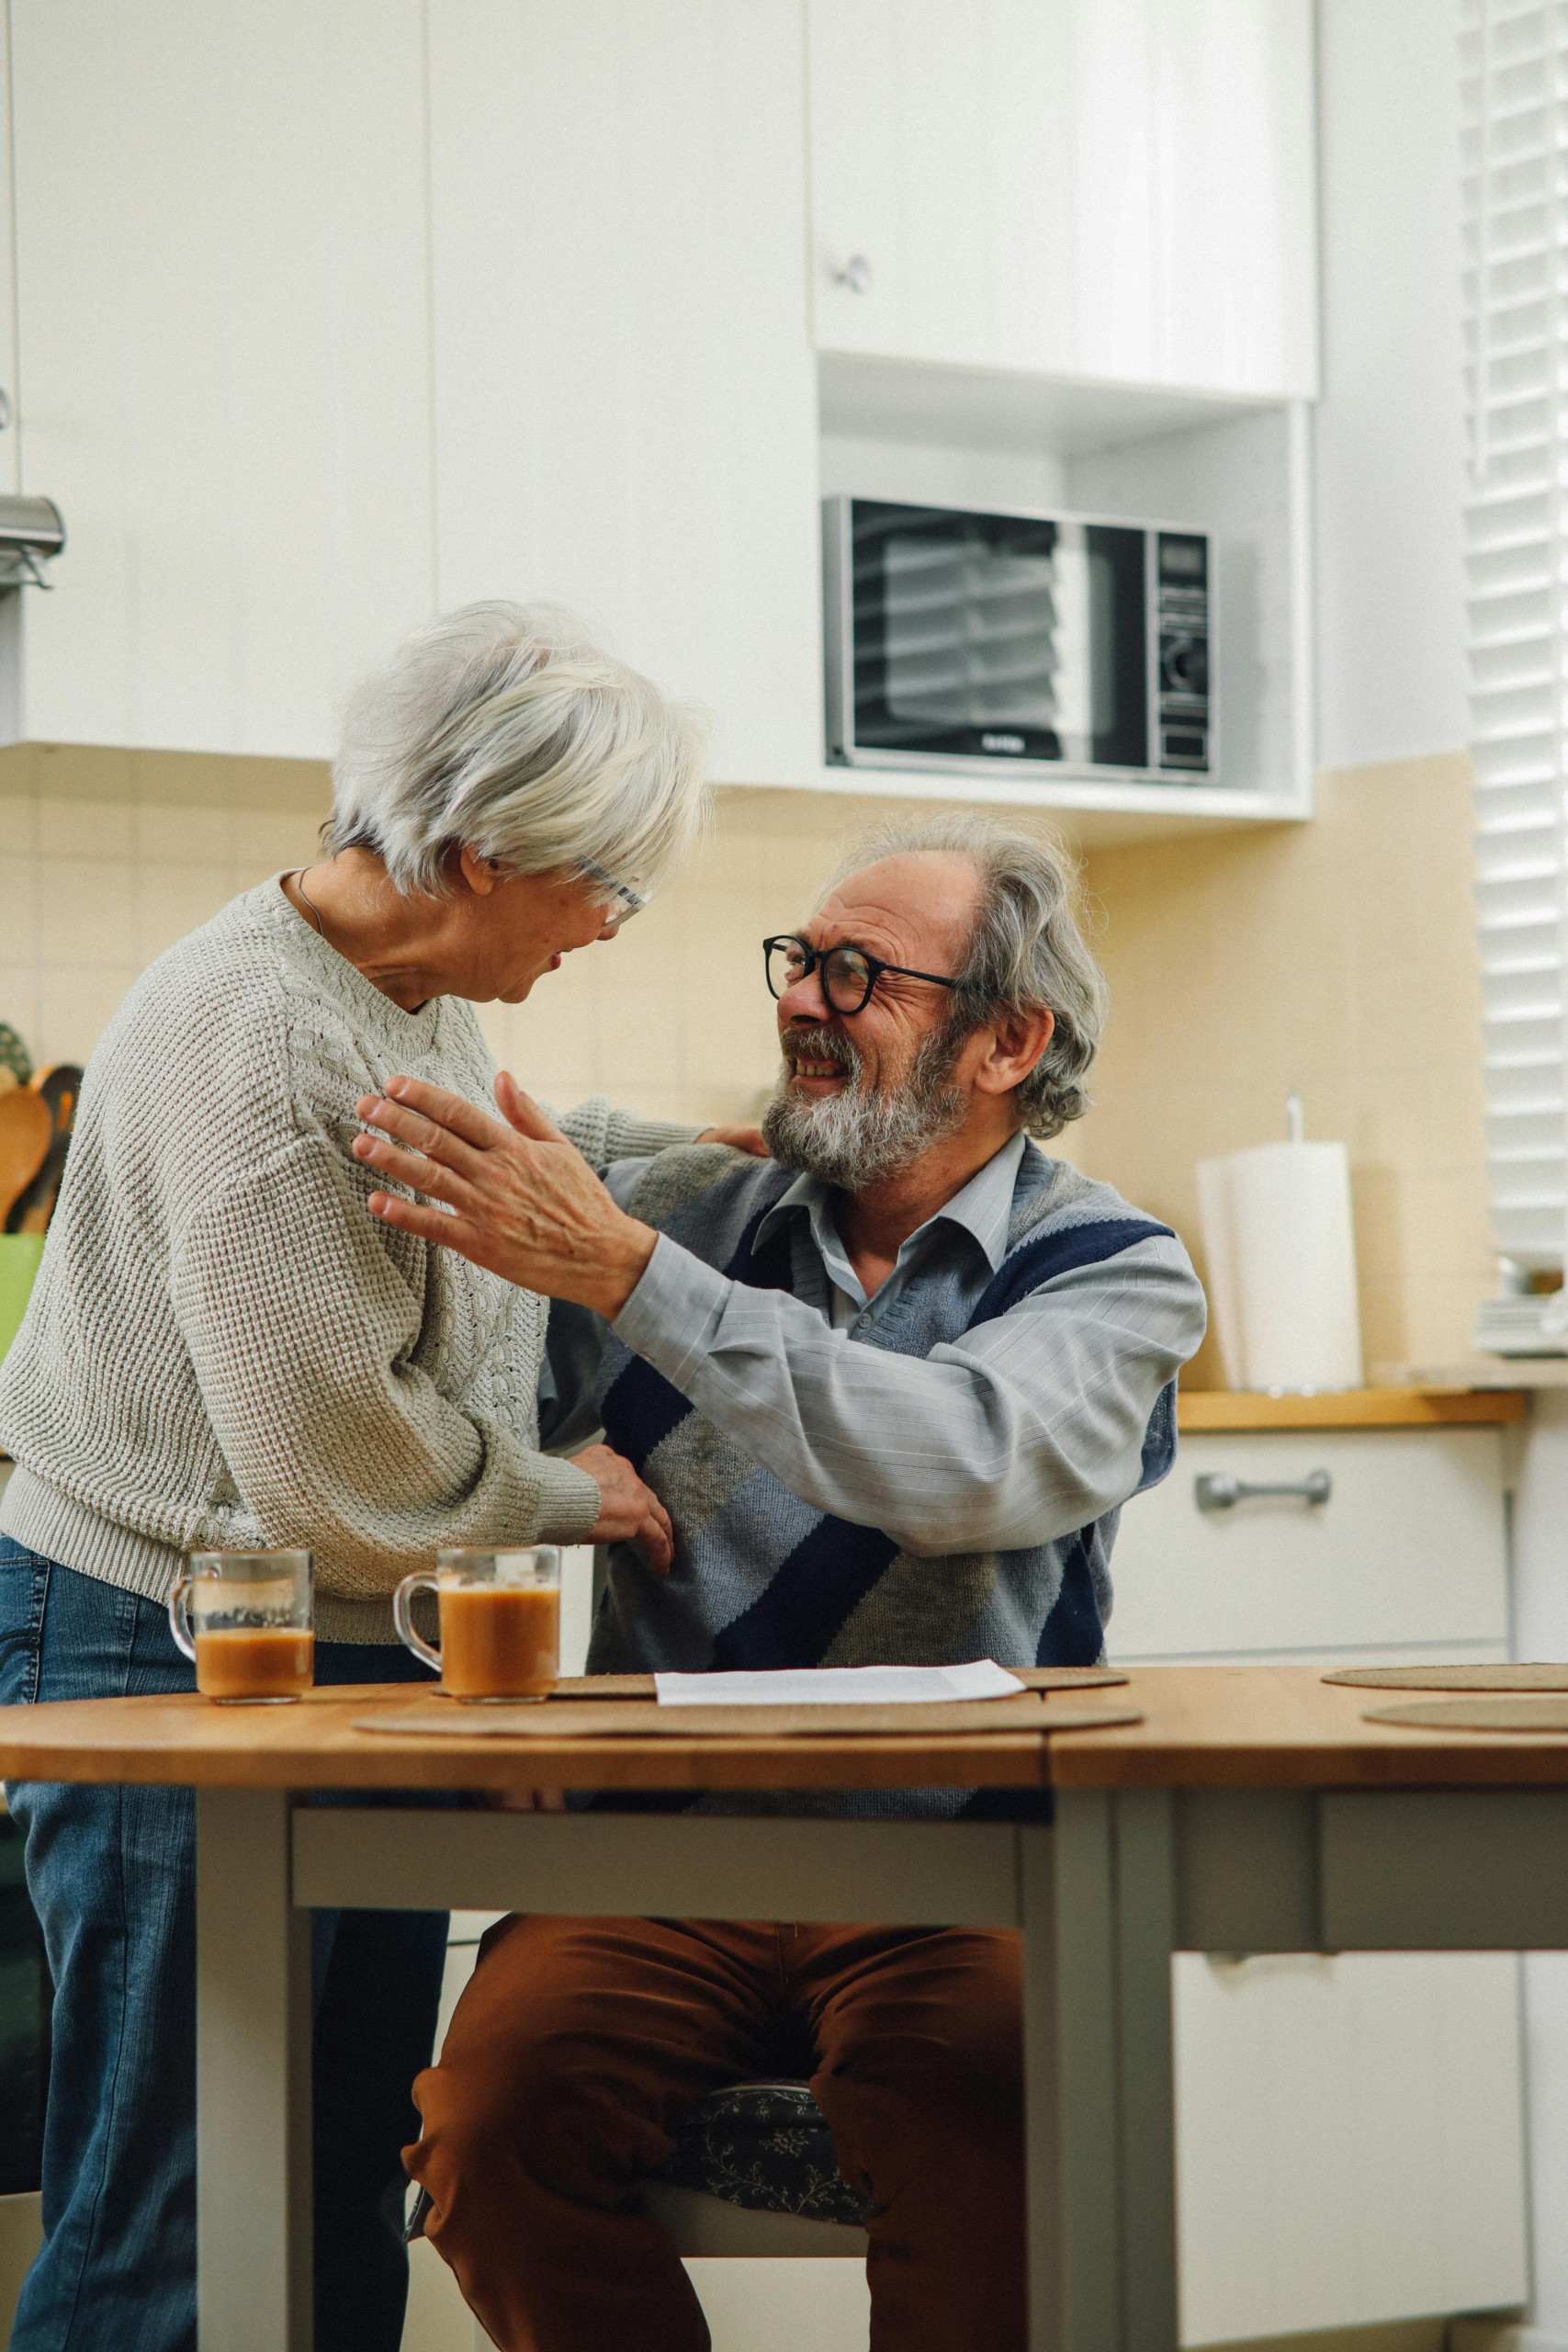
[247,1620]
[500,1621]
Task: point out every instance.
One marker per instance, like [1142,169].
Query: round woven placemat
[1529,1715]
[1452,1678]
[626,1719]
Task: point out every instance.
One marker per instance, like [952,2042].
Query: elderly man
[893,1389]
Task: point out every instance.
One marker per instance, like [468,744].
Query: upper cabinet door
[625,388]
[1116,188]
[223,361]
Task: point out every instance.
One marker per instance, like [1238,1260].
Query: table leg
[1145,1923]
[1095,1902]
[253,2060]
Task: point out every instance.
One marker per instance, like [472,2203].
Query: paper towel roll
[1281,1250]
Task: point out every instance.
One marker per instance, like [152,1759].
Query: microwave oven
[1049,643]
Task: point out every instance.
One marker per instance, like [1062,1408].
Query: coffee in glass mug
[500,1614]
[247,1620]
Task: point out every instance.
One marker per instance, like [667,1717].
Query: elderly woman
[224,1351]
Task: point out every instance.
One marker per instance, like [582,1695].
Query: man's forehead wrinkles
[862,922]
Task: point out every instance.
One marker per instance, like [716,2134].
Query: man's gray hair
[1026,951]
[502,729]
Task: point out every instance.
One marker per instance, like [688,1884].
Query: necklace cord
[300,886]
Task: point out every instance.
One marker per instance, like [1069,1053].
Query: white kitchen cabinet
[626,397]
[1114,188]
[1406,1556]
[223,380]
[1350,2130]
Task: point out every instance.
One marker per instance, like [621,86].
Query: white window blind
[1515,83]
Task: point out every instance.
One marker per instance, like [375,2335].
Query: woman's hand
[523,1202]
[630,1512]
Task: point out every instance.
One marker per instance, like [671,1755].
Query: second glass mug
[247,1620]
[500,1621]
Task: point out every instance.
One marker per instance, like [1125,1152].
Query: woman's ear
[480,874]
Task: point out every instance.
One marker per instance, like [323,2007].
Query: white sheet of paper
[842,1685]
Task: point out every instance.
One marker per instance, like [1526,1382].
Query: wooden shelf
[1349,1409]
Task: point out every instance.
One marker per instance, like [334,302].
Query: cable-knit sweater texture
[224,1351]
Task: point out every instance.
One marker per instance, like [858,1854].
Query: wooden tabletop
[1203,1726]
[1283,1727]
[314,1745]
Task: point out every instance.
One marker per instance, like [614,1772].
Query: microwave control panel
[1180,637]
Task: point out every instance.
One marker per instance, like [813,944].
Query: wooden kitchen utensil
[25,1130]
[59,1090]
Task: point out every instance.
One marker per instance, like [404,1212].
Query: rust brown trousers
[580,2044]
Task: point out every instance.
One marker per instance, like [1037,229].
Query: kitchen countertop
[1222,1409]
[1350,1408]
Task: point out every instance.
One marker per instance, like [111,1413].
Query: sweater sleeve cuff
[569,1502]
[631,1138]
[674,1316]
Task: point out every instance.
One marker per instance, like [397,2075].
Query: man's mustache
[814,1044]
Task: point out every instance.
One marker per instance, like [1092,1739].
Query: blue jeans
[111,1873]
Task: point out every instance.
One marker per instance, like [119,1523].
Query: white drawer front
[1350,2140]
[1409,1550]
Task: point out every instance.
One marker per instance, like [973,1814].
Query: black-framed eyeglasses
[849,974]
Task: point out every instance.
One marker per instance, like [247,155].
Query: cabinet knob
[856,273]
[1221,1489]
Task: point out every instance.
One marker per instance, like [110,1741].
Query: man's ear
[480,874]
[1018,1040]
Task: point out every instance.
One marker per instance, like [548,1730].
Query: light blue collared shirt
[981,1210]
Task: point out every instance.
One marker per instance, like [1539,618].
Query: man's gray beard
[854,1139]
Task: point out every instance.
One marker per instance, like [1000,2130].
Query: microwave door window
[970,643]
[999,636]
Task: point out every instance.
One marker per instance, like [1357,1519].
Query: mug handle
[421,1581]
[179,1616]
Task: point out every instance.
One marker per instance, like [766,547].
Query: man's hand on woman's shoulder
[738,1138]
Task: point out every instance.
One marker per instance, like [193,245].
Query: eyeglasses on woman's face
[847,975]
[622,902]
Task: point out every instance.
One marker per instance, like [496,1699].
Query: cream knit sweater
[224,1350]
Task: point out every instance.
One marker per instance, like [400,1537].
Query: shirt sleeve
[1019,1431]
[301,1316]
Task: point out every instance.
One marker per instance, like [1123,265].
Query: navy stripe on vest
[641,1407]
[807,1598]
[1037,1262]
[1072,1634]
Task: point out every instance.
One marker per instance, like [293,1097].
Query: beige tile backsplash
[1335,957]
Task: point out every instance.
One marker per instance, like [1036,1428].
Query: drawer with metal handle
[1221,1489]
[1304,1543]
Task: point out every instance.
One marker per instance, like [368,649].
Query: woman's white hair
[503,730]
[1026,951]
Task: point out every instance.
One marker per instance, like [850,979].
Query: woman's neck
[394,939]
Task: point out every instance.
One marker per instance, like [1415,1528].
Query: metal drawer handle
[1220,1489]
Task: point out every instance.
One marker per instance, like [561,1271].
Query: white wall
[1389,446]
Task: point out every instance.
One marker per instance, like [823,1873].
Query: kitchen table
[1251,1809]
